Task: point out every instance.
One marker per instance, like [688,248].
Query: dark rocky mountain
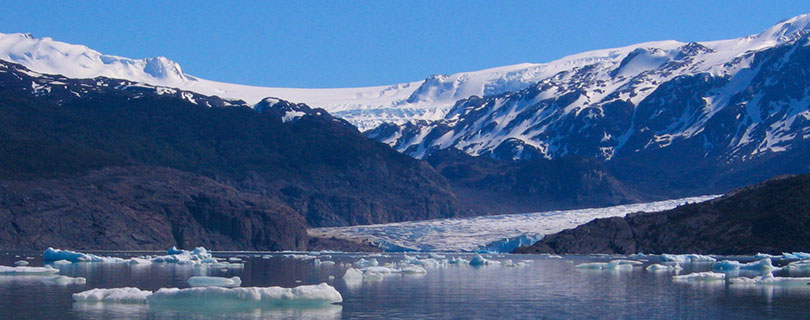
[769,217]
[487,185]
[145,208]
[321,167]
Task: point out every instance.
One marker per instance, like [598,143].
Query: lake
[539,288]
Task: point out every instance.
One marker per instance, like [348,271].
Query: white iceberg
[21,263]
[255,296]
[413,270]
[764,265]
[684,258]
[615,265]
[663,268]
[353,275]
[700,276]
[52,254]
[770,280]
[113,295]
[204,281]
[198,255]
[362,263]
[458,260]
[29,271]
[803,265]
[63,280]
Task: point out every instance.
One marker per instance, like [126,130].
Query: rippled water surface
[544,288]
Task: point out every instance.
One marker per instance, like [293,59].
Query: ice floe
[21,263]
[52,254]
[24,270]
[63,280]
[684,258]
[770,280]
[205,281]
[700,276]
[614,265]
[113,295]
[663,268]
[764,265]
[201,296]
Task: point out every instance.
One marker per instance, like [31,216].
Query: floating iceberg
[413,270]
[307,295]
[203,281]
[21,263]
[63,280]
[113,295]
[458,260]
[362,263]
[28,271]
[615,265]
[259,296]
[764,265]
[769,279]
[663,268]
[353,275]
[803,265]
[198,255]
[478,260]
[700,276]
[684,258]
[52,254]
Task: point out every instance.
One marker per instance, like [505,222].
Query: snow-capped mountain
[364,107]
[730,100]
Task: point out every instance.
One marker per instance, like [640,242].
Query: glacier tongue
[499,233]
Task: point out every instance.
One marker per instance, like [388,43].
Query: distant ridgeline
[769,217]
[114,164]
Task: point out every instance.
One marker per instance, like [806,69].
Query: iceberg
[413,270]
[198,255]
[769,279]
[63,280]
[21,263]
[113,295]
[204,281]
[362,263]
[614,265]
[52,254]
[28,271]
[478,260]
[700,276]
[764,265]
[684,258]
[803,265]
[353,275]
[458,260]
[663,268]
[306,295]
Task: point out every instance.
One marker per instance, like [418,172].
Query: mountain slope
[770,217]
[318,165]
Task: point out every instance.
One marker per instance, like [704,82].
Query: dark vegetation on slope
[771,217]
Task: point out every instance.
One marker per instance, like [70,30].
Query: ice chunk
[803,265]
[63,280]
[413,270]
[259,296]
[139,261]
[615,265]
[685,258]
[353,275]
[362,263]
[436,256]
[700,276]
[21,263]
[174,250]
[52,254]
[198,255]
[234,259]
[478,260]
[762,265]
[203,281]
[19,271]
[663,268]
[113,295]
[60,262]
[769,279]
[372,276]
[458,260]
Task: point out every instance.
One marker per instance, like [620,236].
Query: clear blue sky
[341,43]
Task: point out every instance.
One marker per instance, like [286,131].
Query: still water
[543,288]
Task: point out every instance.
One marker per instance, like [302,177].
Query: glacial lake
[540,288]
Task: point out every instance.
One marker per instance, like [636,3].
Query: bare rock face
[145,208]
[771,217]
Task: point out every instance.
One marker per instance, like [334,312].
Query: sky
[341,43]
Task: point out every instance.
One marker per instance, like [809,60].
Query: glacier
[497,233]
